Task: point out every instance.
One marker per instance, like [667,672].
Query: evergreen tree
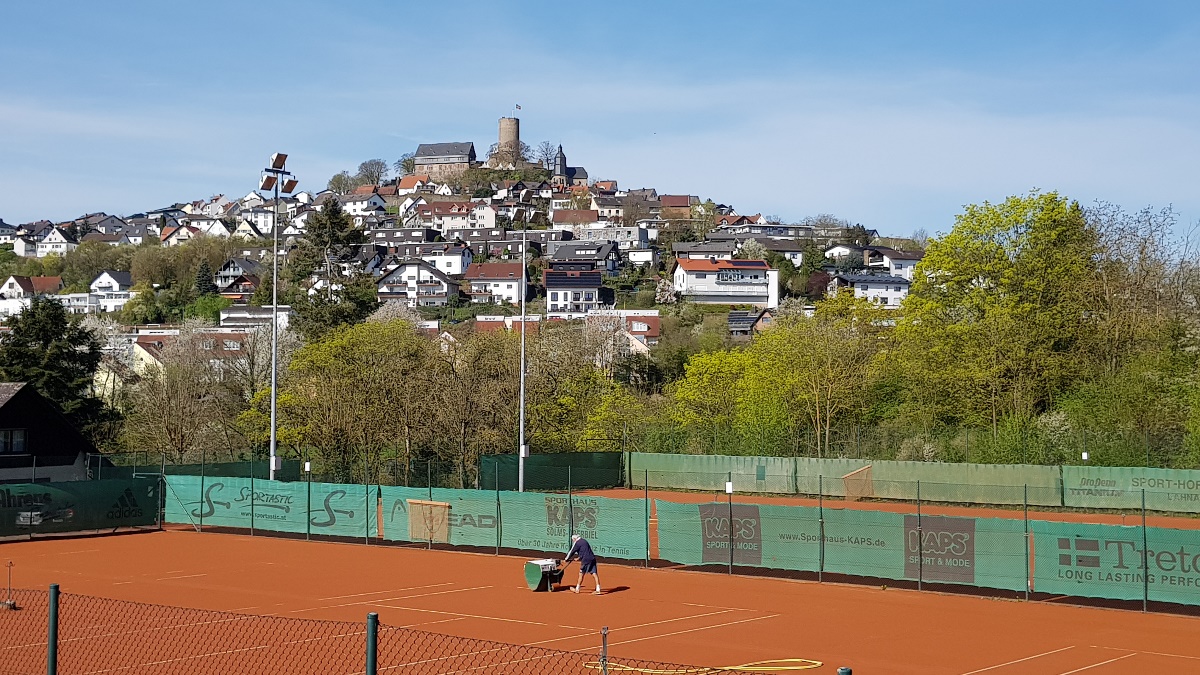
[57,356]
[204,280]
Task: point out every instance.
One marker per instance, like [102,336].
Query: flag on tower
[518,106]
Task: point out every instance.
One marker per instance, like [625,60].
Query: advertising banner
[326,509]
[528,521]
[33,508]
[1101,487]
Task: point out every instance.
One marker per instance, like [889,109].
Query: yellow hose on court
[770,666]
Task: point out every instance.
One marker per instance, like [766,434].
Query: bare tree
[342,183]
[406,165]
[372,172]
[545,154]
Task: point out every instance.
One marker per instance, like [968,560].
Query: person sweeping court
[580,548]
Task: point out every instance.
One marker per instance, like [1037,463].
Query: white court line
[375,603]
[391,590]
[1142,651]
[185,576]
[429,623]
[1027,658]
[640,625]
[1096,665]
[481,616]
[691,630]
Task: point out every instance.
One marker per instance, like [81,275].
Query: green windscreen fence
[986,552]
[616,528]
[42,508]
[1100,487]
[323,509]
[288,471]
[938,481]
[556,471]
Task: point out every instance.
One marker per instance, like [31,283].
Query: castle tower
[510,134]
[560,164]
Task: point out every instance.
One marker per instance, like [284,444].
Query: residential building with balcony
[727,282]
[495,282]
[418,283]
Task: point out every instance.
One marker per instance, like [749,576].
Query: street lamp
[271,178]
[522,446]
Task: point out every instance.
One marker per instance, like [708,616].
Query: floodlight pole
[279,173]
[522,450]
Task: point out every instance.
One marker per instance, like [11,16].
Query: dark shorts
[587,567]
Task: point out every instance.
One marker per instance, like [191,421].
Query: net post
[821,528]
[1028,576]
[372,643]
[603,651]
[920,543]
[1145,558]
[52,633]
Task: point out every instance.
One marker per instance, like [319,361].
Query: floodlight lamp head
[267,183]
[278,160]
[289,186]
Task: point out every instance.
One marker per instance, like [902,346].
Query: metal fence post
[200,497]
[496,466]
[1145,558]
[33,471]
[1028,571]
[372,643]
[646,499]
[52,633]
[920,543]
[570,506]
[729,494]
[821,527]
[603,650]
[252,497]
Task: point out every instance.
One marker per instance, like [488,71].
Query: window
[575,296]
[897,289]
[12,440]
[554,295]
[700,275]
[232,345]
[588,296]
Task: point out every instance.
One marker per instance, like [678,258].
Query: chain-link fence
[67,634]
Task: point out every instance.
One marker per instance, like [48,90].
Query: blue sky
[889,114]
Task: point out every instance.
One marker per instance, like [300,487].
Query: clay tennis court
[655,614]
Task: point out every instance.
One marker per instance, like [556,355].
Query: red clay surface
[654,614]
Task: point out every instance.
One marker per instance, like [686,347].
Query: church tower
[560,167]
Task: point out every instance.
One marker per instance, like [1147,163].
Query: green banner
[1102,487]
[972,551]
[964,483]
[1174,560]
[1087,560]
[527,521]
[710,472]
[554,471]
[326,509]
[36,508]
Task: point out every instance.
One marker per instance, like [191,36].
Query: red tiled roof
[366,189]
[576,216]
[676,201]
[46,284]
[410,182]
[494,270]
[710,265]
[653,325]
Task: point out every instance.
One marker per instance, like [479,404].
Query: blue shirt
[583,549]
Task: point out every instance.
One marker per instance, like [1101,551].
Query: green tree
[51,351]
[207,307]
[997,311]
[342,183]
[204,280]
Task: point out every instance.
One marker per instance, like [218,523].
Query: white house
[357,205]
[495,282]
[451,259]
[58,242]
[178,235]
[626,238]
[111,280]
[727,282]
[25,247]
[418,283]
[880,258]
[886,290]
[208,225]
